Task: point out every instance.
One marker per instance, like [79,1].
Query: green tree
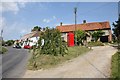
[81,36]
[116,31]
[53,43]
[36,28]
[96,34]
[9,42]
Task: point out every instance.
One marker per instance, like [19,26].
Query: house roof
[32,34]
[84,26]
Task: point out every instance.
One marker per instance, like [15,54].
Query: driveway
[14,63]
[94,64]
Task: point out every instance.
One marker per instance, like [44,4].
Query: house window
[62,38]
[63,34]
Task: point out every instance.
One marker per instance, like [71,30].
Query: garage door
[104,38]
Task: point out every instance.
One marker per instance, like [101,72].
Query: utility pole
[1,32]
[1,38]
[75,12]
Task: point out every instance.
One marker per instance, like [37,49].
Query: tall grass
[45,61]
[3,50]
[115,69]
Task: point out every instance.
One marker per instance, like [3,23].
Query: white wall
[106,32]
[31,41]
[64,35]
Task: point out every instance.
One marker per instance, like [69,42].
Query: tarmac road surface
[14,63]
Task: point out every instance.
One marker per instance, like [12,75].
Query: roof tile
[85,26]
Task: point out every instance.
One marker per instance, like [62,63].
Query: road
[14,63]
[94,64]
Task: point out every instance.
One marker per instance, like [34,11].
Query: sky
[18,18]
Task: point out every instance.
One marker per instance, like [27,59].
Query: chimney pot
[84,21]
[60,23]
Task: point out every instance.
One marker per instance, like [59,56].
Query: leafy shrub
[81,36]
[115,69]
[9,42]
[3,50]
[98,43]
[96,35]
[53,43]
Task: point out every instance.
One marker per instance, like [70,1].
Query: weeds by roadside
[45,61]
[3,50]
[98,43]
[115,73]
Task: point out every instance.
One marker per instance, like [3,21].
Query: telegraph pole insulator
[75,10]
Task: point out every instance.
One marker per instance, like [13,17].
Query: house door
[104,38]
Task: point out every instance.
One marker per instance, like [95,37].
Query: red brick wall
[110,36]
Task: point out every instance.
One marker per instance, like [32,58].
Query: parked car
[16,46]
[6,44]
[27,47]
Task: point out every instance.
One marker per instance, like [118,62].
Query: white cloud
[54,17]
[49,20]
[15,30]
[6,6]
[46,20]
[16,27]
[23,31]
[22,4]
[11,6]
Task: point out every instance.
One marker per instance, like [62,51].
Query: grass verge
[98,43]
[3,50]
[49,61]
[115,69]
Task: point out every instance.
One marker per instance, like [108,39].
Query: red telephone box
[70,39]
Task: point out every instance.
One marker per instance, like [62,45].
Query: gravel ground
[94,64]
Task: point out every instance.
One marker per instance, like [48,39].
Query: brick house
[93,26]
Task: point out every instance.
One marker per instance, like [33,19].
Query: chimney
[60,23]
[84,21]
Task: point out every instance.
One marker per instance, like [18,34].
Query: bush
[3,50]
[80,36]
[53,45]
[96,34]
[115,69]
[9,42]
[98,43]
